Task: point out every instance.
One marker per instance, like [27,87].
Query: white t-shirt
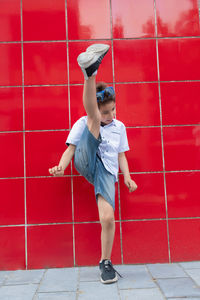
[114,141]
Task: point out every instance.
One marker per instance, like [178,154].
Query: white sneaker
[90,60]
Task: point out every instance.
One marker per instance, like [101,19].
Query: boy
[98,142]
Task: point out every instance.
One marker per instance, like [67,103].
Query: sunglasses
[109,91]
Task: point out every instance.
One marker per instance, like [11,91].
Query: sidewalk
[139,282]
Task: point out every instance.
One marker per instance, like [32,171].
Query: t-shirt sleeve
[76,132]
[123,146]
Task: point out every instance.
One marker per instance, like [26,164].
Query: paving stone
[195,275]
[134,277]
[60,280]
[24,277]
[141,294]
[97,291]
[18,292]
[137,283]
[4,275]
[183,298]
[166,270]
[179,287]
[89,274]
[56,296]
[190,265]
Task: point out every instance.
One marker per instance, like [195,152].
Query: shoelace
[109,266]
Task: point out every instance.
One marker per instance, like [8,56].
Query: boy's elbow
[121,155]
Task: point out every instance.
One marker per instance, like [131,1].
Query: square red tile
[75,73]
[182,148]
[179,59]
[43,151]
[50,246]
[10,21]
[135,19]
[180,103]
[135,60]
[147,202]
[138,104]
[88,20]
[177,18]
[12,202]
[46,107]
[45,63]
[10,64]
[85,205]
[145,242]
[12,248]
[145,152]
[49,200]
[11,159]
[88,244]
[184,240]
[76,103]
[11,107]
[183,195]
[44,20]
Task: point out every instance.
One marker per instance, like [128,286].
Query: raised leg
[91,107]
[89,62]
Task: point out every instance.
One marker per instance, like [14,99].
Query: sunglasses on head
[109,91]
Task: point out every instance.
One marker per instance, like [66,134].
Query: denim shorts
[88,163]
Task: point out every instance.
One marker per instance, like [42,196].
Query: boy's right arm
[64,161]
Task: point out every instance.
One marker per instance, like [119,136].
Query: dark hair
[100,86]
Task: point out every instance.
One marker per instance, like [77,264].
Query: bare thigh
[93,124]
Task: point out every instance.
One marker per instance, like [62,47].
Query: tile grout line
[73,223]
[24,140]
[188,275]
[113,74]
[98,222]
[78,284]
[155,281]
[120,224]
[133,173]
[162,138]
[102,38]
[69,107]
[199,10]
[68,77]
[36,292]
[128,127]
[116,82]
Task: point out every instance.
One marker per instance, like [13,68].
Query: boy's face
[108,112]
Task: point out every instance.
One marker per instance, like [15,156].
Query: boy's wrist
[127,176]
[61,167]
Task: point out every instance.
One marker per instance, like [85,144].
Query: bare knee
[107,221]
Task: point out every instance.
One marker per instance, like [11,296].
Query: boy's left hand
[132,186]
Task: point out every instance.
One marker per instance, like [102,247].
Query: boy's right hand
[56,171]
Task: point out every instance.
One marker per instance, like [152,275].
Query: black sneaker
[90,60]
[108,273]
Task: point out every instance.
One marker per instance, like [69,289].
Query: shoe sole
[96,48]
[110,281]
[92,54]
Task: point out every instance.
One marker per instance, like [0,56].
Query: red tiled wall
[154,65]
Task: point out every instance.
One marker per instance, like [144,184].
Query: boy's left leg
[107,220]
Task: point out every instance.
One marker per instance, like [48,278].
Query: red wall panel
[153,65]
